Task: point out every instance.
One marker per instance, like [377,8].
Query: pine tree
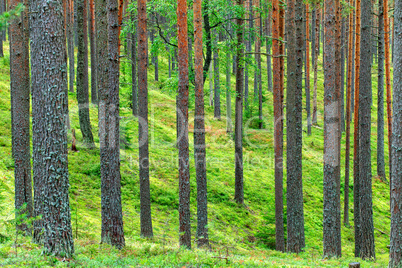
[20,93]
[145,195]
[51,183]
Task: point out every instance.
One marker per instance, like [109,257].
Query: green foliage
[7,16]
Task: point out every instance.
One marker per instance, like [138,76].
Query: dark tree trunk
[278,129]
[332,205]
[239,194]
[199,131]
[366,203]
[316,54]
[70,41]
[19,75]
[380,102]
[208,39]
[134,62]
[92,40]
[82,74]
[48,48]
[112,218]
[145,195]
[356,170]
[388,83]
[257,72]
[307,71]
[217,88]
[395,257]
[268,51]
[313,38]
[295,217]
[247,40]
[348,119]
[182,126]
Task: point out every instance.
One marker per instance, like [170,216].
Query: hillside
[241,235]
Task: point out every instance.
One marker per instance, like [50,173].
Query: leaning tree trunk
[19,76]
[48,48]
[82,74]
[294,195]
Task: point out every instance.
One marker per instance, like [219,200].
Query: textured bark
[278,130]
[82,74]
[247,41]
[20,93]
[316,53]
[134,62]
[268,50]
[51,183]
[332,141]
[208,38]
[92,41]
[342,45]
[395,257]
[380,99]
[112,218]
[356,180]
[143,137]
[313,39]
[182,127]
[366,203]
[257,71]
[307,71]
[217,88]
[228,96]
[388,84]
[70,41]
[199,131]
[239,192]
[348,117]
[294,195]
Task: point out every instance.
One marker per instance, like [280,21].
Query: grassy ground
[240,235]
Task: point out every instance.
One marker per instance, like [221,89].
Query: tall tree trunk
[348,117]
[395,257]
[134,62]
[217,88]
[248,9]
[268,50]
[182,125]
[208,38]
[92,40]
[356,170]
[51,183]
[228,97]
[19,76]
[257,72]
[313,39]
[82,74]
[239,192]
[307,72]
[316,53]
[211,85]
[342,42]
[143,137]
[112,218]
[380,99]
[294,195]
[388,84]
[70,41]
[278,129]
[199,131]
[332,171]
[366,203]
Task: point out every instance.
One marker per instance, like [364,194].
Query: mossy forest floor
[240,235]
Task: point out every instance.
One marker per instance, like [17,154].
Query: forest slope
[242,235]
